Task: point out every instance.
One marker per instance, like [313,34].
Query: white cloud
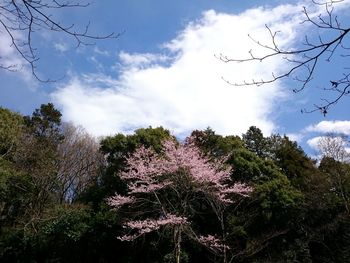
[61,47]
[101,52]
[297,137]
[334,147]
[138,60]
[335,126]
[322,141]
[8,55]
[181,88]
[11,60]
[313,143]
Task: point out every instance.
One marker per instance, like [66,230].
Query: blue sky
[162,70]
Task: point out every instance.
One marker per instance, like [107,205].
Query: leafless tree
[334,146]
[336,164]
[21,19]
[79,162]
[332,40]
[58,171]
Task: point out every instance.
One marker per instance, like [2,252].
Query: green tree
[15,192]
[11,128]
[293,161]
[270,214]
[255,142]
[36,156]
[338,174]
[215,145]
[116,150]
[257,225]
[320,215]
[45,122]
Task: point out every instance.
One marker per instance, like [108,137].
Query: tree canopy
[67,197]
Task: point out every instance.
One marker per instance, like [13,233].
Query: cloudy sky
[164,69]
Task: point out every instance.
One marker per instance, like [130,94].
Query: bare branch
[304,62]
[25,17]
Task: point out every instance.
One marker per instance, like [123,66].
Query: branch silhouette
[304,61]
[20,18]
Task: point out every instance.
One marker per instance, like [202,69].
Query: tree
[20,20]
[334,146]
[255,142]
[260,223]
[79,162]
[291,159]
[15,194]
[303,62]
[338,174]
[214,145]
[164,189]
[45,123]
[11,128]
[116,149]
[320,212]
[36,155]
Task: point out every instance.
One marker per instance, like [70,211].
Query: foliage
[166,188]
[215,145]
[10,131]
[55,180]
[338,174]
[15,194]
[116,150]
[255,142]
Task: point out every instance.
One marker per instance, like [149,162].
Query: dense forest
[66,196]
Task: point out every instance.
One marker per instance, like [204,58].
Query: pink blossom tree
[162,191]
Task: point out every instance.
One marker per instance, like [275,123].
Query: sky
[163,70]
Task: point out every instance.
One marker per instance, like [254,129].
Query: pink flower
[212,242]
[119,200]
[149,225]
[159,182]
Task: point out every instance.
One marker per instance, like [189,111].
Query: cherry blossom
[119,200]
[181,170]
[212,242]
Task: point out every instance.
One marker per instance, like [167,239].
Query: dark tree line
[55,180]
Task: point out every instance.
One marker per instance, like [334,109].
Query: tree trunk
[222,223]
[177,240]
